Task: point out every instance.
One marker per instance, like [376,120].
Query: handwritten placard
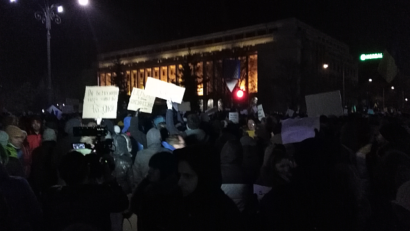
[234,117]
[164,90]
[140,100]
[261,113]
[100,102]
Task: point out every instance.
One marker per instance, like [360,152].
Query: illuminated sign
[364,57]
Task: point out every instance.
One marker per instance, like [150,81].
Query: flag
[387,67]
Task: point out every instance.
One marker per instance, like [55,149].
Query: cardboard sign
[234,117]
[100,102]
[140,100]
[164,90]
[260,191]
[329,103]
[261,113]
[297,130]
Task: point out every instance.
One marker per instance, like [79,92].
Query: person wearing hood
[123,164]
[17,152]
[235,183]
[141,167]
[193,134]
[153,199]
[43,175]
[203,206]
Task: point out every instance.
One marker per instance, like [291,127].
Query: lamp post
[46,16]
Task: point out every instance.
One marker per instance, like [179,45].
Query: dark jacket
[235,183]
[123,164]
[154,203]
[18,204]
[88,204]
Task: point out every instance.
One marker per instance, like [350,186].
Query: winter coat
[24,157]
[88,204]
[154,203]
[43,174]
[141,167]
[34,141]
[123,163]
[235,183]
[22,208]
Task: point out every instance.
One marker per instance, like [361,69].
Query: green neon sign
[364,57]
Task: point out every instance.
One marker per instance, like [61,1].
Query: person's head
[36,125]
[220,104]
[74,168]
[193,121]
[121,145]
[199,170]
[16,136]
[159,122]
[49,135]
[161,166]
[251,124]
[176,141]
[280,163]
[254,101]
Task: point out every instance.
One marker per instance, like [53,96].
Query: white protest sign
[261,113]
[164,90]
[234,117]
[100,102]
[329,103]
[140,100]
[297,130]
[260,191]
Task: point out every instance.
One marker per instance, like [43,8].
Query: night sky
[105,25]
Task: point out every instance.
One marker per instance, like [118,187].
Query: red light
[239,93]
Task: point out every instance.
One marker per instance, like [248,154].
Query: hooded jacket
[123,163]
[235,183]
[141,167]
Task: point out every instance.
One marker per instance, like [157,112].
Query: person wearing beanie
[34,137]
[49,135]
[16,149]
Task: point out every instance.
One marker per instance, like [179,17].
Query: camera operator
[82,202]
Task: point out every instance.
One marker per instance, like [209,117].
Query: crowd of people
[199,171]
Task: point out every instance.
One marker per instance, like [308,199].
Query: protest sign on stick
[234,117]
[261,113]
[164,90]
[100,102]
[140,100]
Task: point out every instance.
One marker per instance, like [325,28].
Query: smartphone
[78,146]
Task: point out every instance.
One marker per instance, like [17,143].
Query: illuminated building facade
[277,60]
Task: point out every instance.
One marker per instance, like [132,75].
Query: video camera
[102,146]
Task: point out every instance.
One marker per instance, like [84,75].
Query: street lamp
[13,1]
[392,87]
[370,80]
[83,2]
[406,99]
[325,66]
[47,16]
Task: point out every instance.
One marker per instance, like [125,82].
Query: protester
[16,149]
[34,136]
[204,206]
[173,142]
[141,167]
[153,200]
[80,202]
[123,171]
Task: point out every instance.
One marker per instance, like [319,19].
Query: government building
[280,63]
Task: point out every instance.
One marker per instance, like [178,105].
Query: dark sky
[365,25]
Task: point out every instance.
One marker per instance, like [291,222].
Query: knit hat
[49,135]
[127,123]
[15,131]
[4,138]
[402,197]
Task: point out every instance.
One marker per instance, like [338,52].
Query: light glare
[325,66]
[392,87]
[406,99]
[370,80]
[60,9]
[12,1]
[83,2]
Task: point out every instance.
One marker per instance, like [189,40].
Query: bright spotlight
[13,1]
[83,2]
[325,66]
[60,9]
[406,99]
[392,87]
[370,80]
